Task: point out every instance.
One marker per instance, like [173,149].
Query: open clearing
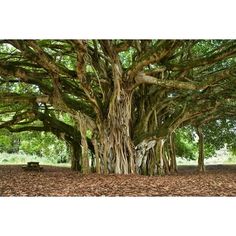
[219,180]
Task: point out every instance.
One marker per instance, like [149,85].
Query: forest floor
[219,180]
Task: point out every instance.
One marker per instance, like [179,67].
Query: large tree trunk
[201,166]
[151,158]
[117,152]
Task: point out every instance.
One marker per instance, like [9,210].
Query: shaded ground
[58,181]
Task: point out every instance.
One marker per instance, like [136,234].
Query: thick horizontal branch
[17,118]
[210,80]
[7,69]
[27,128]
[14,98]
[142,78]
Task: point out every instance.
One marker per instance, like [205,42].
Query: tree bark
[117,152]
[75,157]
[165,162]
[173,164]
[201,166]
[97,158]
[152,162]
[84,144]
[160,153]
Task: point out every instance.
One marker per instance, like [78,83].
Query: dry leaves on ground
[58,181]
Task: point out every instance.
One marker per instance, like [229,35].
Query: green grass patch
[21,158]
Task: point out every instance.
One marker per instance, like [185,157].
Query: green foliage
[5,143]
[22,158]
[233,150]
[43,145]
[220,132]
[209,150]
[186,146]
[8,142]
[126,57]
[203,47]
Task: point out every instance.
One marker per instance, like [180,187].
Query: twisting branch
[32,51]
[154,55]
[206,60]
[81,50]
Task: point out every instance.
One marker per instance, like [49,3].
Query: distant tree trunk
[173,165]
[96,153]
[75,157]
[201,166]
[93,164]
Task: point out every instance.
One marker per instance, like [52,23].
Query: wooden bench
[32,165]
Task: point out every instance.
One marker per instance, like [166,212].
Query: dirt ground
[219,180]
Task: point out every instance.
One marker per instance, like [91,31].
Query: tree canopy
[120,100]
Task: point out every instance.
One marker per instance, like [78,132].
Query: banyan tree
[123,99]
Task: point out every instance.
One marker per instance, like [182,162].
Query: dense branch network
[130,94]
